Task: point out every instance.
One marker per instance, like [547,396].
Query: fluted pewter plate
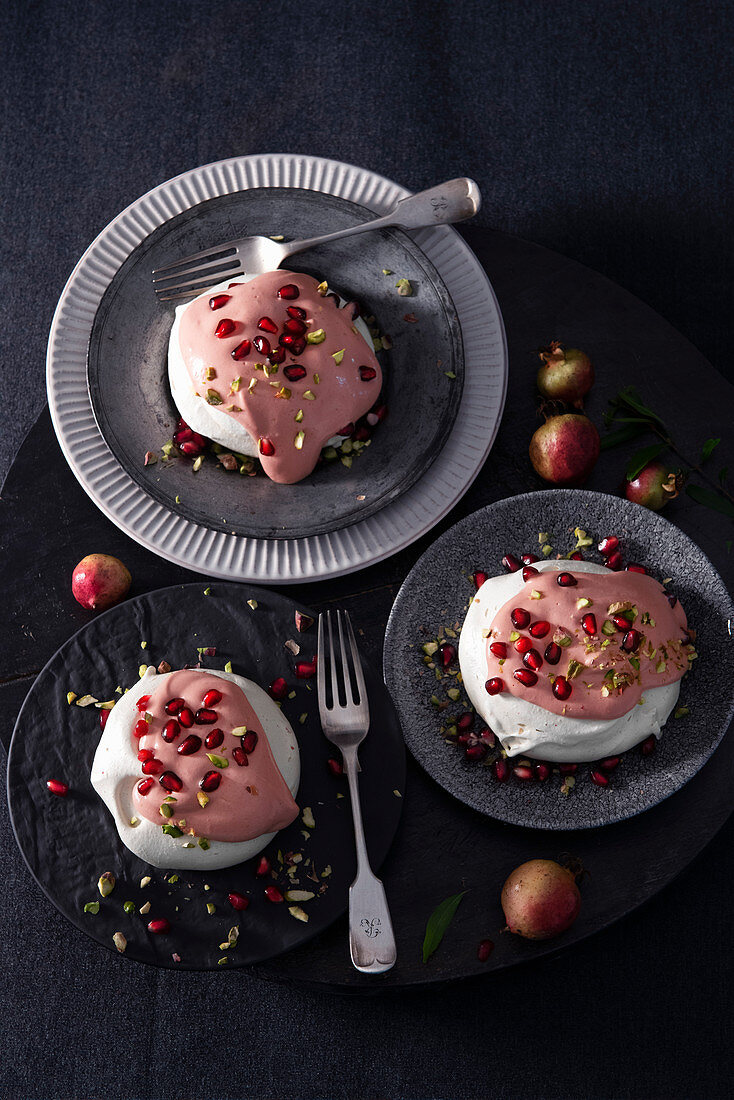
[234,555]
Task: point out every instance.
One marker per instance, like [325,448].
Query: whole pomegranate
[653,487]
[540,899]
[564,450]
[99,581]
[566,374]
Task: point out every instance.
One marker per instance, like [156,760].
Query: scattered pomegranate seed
[289,291]
[577,556]
[144,785]
[529,571]
[568,769]
[189,745]
[205,716]
[151,767]
[103,716]
[525,677]
[501,770]
[173,706]
[295,326]
[242,350]
[465,721]
[184,435]
[532,660]
[141,728]
[305,669]
[552,653]
[621,622]
[498,649]
[266,324]
[210,781]
[211,698]
[631,641]
[266,446]
[55,786]
[609,764]
[191,449]
[272,893]
[476,752]
[528,559]
[589,624]
[249,741]
[262,344]
[240,757]
[522,771]
[487,736]
[511,563]
[142,703]
[279,688]
[520,617]
[277,355]
[171,730]
[523,644]
[614,561]
[599,778]
[335,766]
[608,545]
[672,600]
[561,688]
[214,739]
[649,745]
[238,901]
[263,867]
[465,738]
[376,414]
[448,653]
[347,429]
[485,949]
[219,300]
[295,372]
[367,373]
[542,771]
[494,686]
[159,926]
[186,717]
[145,754]
[296,312]
[170,781]
[633,567]
[540,629]
[566,580]
[225,328]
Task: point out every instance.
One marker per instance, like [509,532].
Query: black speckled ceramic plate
[68,842]
[128,355]
[436,594]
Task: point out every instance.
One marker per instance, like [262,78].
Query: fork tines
[346,679]
[192,274]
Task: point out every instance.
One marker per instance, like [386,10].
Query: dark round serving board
[128,375]
[47,524]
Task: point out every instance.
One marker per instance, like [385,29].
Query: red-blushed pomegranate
[540,899]
[566,374]
[564,450]
[99,581]
[653,487]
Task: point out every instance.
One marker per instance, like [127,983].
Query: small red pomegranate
[99,581]
[566,374]
[564,450]
[540,899]
[653,487]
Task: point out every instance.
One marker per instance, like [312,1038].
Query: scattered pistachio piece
[150,458]
[106,883]
[239,731]
[252,604]
[338,356]
[202,799]
[298,441]
[92,907]
[86,701]
[70,697]
[144,909]
[298,913]
[165,810]
[535,595]
[171,830]
[119,941]
[307,818]
[323,288]
[213,398]
[197,463]
[145,881]
[299,416]
[211,908]
[404,288]
[316,337]
[204,844]
[228,666]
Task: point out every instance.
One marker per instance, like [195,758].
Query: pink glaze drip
[249,801]
[665,641]
[339,397]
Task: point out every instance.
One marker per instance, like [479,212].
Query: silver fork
[448,202]
[345,724]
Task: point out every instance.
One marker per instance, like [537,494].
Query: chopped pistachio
[171,830]
[574,668]
[284,393]
[144,909]
[299,895]
[298,913]
[682,711]
[298,441]
[213,397]
[167,448]
[210,374]
[228,666]
[218,761]
[309,395]
[86,701]
[583,601]
[346,460]
[560,637]
[608,627]
[106,883]
[514,635]
[252,604]
[211,908]
[239,731]
[145,881]
[165,810]
[307,818]
[197,463]
[251,385]
[404,288]
[329,453]
[204,844]
[337,356]
[92,907]
[70,697]
[316,337]
[299,416]
[454,694]
[386,271]
[316,379]
[202,799]
[323,288]
[450,374]
[535,595]
[142,671]
[429,648]
[546,550]
[119,941]
[303,717]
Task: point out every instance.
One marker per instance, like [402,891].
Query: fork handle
[449,202]
[371,937]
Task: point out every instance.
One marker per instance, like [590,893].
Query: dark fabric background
[600,129]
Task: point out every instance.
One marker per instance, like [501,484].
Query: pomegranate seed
[465,721]
[225,328]
[376,414]
[211,698]
[608,545]
[568,769]
[525,677]
[589,624]
[672,600]
[190,449]
[621,622]
[277,355]
[141,728]
[448,654]
[522,645]
[511,563]
[540,629]
[289,291]
[561,688]
[542,771]
[335,766]
[295,326]
[367,373]
[266,446]
[219,300]
[205,716]
[103,716]
[465,739]
[347,429]
[240,757]
[279,688]
[633,567]
[520,617]
[599,778]
[55,786]
[272,893]
[189,745]
[173,706]
[249,741]
[294,373]
[142,703]
[263,867]
[552,653]
[146,754]
[210,781]
[266,324]
[501,770]
[614,561]
[649,745]
[532,660]
[297,344]
[522,771]
[609,764]
[479,578]
[577,556]
[170,781]
[214,739]
[631,641]
[144,785]
[305,669]
[238,901]
[485,949]
[183,436]
[159,926]
[262,344]
[151,767]
[186,717]
[475,752]
[171,730]
[566,580]
[296,312]
[529,571]
[487,736]
[494,686]
[499,649]
[528,559]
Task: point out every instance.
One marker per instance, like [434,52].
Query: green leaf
[630,396]
[641,459]
[708,448]
[723,474]
[438,922]
[623,435]
[711,499]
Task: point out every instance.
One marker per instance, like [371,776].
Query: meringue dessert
[272,366]
[198,768]
[574,663]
